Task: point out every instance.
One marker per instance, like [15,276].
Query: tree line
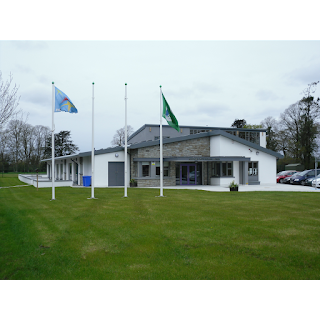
[296,133]
[22,145]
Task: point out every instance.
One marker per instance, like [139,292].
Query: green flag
[168,115]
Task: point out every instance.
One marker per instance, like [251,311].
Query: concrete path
[24,185]
[247,188]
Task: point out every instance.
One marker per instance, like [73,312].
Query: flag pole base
[160,196]
[91,198]
[52,199]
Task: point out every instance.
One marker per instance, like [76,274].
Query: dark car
[287,179]
[301,177]
[308,182]
[284,174]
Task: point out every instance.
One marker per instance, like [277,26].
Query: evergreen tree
[63,145]
[239,123]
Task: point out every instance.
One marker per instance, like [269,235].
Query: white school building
[192,156]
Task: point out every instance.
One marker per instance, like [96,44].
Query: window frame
[221,169]
[145,164]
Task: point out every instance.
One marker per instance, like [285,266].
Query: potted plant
[133,183]
[233,186]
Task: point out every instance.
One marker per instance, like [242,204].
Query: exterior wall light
[257,152]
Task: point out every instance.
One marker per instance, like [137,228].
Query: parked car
[301,177]
[287,179]
[283,174]
[308,182]
[316,181]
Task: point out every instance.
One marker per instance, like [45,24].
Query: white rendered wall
[86,162]
[267,168]
[263,140]
[43,181]
[236,171]
[222,146]
[101,167]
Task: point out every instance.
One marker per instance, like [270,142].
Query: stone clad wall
[133,173]
[190,148]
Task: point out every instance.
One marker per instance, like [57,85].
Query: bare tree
[310,108]
[9,100]
[15,128]
[290,126]
[272,127]
[119,137]
[300,128]
[4,154]
[27,144]
[41,134]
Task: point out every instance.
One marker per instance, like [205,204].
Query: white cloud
[305,74]
[266,95]
[29,45]
[205,82]
[36,94]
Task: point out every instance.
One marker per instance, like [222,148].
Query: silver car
[316,181]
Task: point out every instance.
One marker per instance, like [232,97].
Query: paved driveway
[247,188]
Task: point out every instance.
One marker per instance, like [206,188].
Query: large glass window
[215,169]
[165,168]
[222,169]
[145,169]
[195,131]
[250,136]
[253,168]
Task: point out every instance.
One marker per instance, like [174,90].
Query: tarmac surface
[242,188]
[248,188]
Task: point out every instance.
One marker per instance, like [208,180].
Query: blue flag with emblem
[63,102]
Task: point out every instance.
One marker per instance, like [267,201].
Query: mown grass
[10,179]
[188,234]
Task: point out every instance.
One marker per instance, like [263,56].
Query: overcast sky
[206,82]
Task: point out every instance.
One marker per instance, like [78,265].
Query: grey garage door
[116,174]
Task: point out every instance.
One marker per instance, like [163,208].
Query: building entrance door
[188,174]
[115,174]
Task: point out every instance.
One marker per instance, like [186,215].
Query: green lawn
[9,179]
[188,234]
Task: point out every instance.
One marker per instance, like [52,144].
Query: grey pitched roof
[101,151]
[88,153]
[195,127]
[206,134]
[178,139]
[63,157]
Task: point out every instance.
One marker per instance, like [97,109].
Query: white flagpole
[92,151]
[125,146]
[161,149]
[52,143]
